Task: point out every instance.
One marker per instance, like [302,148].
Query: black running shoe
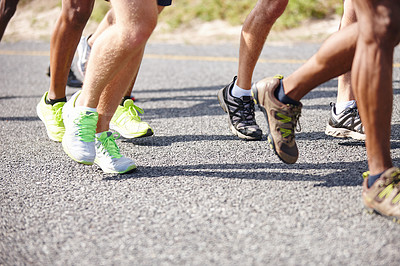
[242,120]
[72,80]
[346,124]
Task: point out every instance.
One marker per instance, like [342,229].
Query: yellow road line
[28,53]
[178,57]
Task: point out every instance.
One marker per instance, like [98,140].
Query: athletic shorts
[164,2]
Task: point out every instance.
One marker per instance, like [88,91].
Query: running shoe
[127,122]
[73,81]
[51,116]
[242,121]
[108,155]
[383,197]
[281,119]
[80,129]
[346,124]
[83,54]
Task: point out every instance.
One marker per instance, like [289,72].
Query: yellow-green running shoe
[108,156]
[51,115]
[127,122]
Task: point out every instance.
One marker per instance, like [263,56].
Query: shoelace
[58,114]
[133,111]
[87,126]
[293,121]
[248,111]
[109,146]
[389,188]
[244,111]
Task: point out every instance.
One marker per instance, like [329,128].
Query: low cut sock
[373,178]
[125,98]
[282,97]
[52,102]
[239,92]
[341,106]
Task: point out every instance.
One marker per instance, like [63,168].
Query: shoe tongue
[246,98]
[128,103]
[104,134]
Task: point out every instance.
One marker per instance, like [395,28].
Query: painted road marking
[178,57]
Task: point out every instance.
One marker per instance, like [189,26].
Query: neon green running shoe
[108,155]
[127,122]
[51,116]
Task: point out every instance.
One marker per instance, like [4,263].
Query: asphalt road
[200,195]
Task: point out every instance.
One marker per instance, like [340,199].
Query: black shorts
[164,2]
[160,2]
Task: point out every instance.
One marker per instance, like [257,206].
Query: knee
[77,16]
[270,10]
[10,8]
[385,29]
[133,37]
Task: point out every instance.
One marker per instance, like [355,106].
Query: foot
[346,124]
[80,129]
[127,122]
[281,119]
[83,54]
[383,197]
[240,112]
[51,116]
[108,156]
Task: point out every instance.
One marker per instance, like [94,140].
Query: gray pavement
[200,195]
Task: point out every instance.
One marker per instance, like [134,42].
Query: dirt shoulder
[35,21]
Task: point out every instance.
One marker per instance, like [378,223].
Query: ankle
[282,97]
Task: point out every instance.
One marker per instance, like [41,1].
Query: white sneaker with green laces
[127,122]
[108,156]
[80,129]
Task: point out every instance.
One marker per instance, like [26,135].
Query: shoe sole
[43,120]
[343,133]
[111,171]
[254,93]
[391,218]
[148,133]
[232,128]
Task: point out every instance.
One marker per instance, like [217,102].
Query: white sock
[239,92]
[99,134]
[83,108]
[340,107]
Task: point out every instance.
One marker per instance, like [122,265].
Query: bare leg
[254,34]
[7,11]
[64,40]
[372,75]
[333,59]
[344,81]
[114,51]
[107,21]
[109,101]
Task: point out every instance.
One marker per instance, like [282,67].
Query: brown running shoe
[383,197]
[281,118]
